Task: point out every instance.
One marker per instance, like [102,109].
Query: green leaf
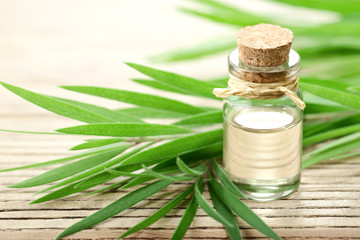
[213,150]
[335,143]
[140,99]
[353,154]
[117,173]
[71,168]
[207,118]
[143,112]
[97,143]
[221,174]
[190,85]
[332,152]
[227,17]
[137,181]
[116,207]
[109,174]
[331,124]
[176,147]
[186,169]
[111,114]
[321,108]
[187,218]
[342,97]
[206,206]
[66,159]
[159,85]
[340,6]
[233,228]
[124,129]
[30,132]
[331,134]
[232,202]
[59,107]
[110,187]
[159,214]
[64,192]
[175,178]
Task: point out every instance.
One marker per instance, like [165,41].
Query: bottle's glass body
[263,138]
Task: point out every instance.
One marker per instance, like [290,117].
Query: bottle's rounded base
[267,190]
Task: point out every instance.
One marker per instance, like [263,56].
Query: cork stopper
[264,45]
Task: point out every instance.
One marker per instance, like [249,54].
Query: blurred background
[48,43]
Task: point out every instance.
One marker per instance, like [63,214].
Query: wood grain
[48,43]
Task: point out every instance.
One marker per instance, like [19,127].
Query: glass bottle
[263,138]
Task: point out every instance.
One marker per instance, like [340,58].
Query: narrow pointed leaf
[143,112]
[117,173]
[336,143]
[124,129]
[330,153]
[338,132]
[30,132]
[116,207]
[187,218]
[70,169]
[221,174]
[176,147]
[160,86]
[226,17]
[111,114]
[88,173]
[188,84]
[159,214]
[105,176]
[207,118]
[137,181]
[353,154]
[175,178]
[331,124]
[66,159]
[333,94]
[206,206]
[233,229]
[243,211]
[97,143]
[57,106]
[140,99]
[337,6]
[186,169]
[109,188]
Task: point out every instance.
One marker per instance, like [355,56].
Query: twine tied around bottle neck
[251,90]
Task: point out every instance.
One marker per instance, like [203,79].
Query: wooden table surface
[44,44]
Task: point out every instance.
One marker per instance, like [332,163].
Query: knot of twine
[251,90]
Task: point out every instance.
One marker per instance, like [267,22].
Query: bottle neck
[265,75]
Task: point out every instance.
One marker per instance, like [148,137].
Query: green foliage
[57,106]
[232,202]
[116,207]
[187,218]
[124,129]
[233,228]
[144,112]
[71,168]
[140,99]
[97,143]
[189,85]
[186,150]
[159,214]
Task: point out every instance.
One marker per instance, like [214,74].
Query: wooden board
[48,43]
